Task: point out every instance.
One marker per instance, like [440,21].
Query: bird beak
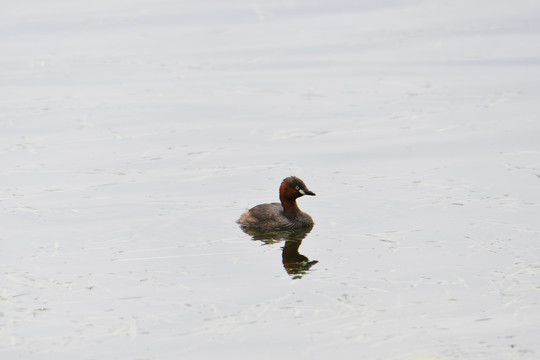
[306,192]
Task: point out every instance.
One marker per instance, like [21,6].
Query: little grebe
[276,216]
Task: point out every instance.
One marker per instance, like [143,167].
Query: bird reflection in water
[295,263]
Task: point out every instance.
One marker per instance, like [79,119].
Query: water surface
[134,134]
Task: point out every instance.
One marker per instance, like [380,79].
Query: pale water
[134,134]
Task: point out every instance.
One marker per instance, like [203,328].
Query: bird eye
[297,187]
